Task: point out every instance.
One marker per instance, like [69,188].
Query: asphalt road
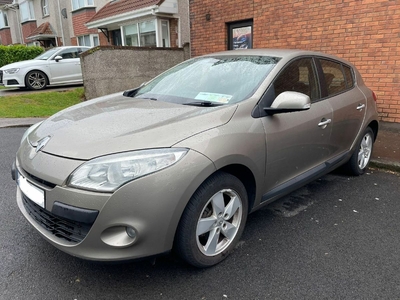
[336,238]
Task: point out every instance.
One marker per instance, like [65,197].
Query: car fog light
[119,236]
[131,232]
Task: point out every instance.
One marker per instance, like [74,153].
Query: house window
[77,4]
[90,40]
[3,19]
[27,12]
[240,35]
[140,34]
[45,8]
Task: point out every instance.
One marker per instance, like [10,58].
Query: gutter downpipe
[61,25]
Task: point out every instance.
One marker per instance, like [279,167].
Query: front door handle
[360,106]
[324,123]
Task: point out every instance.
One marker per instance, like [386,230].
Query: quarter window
[349,77]
[45,8]
[27,12]
[77,4]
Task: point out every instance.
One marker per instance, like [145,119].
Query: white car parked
[56,66]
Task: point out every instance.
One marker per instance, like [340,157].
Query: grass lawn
[38,104]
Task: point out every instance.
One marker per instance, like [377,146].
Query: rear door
[347,102]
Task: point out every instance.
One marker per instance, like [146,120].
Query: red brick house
[367,33]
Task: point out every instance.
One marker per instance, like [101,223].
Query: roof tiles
[118,7]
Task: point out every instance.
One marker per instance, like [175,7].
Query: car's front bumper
[12,80]
[151,205]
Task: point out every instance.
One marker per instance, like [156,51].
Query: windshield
[212,80]
[46,55]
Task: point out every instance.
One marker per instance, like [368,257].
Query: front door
[68,69]
[297,142]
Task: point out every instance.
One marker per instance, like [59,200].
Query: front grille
[37,179]
[1,76]
[69,230]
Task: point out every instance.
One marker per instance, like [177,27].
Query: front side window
[211,80]
[27,12]
[3,19]
[298,76]
[77,4]
[45,8]
[69,53]
[89,40]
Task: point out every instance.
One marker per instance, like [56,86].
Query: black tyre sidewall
[186,240]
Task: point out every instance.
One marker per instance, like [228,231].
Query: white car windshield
[46,55]
[214,80]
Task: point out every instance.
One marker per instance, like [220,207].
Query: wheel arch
[374,125]
[246,176]
[39,70]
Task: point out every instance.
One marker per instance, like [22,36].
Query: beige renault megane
[180,162]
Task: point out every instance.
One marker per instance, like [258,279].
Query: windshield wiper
[204,103]
[147,98]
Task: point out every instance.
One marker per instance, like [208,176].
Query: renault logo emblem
[41,143]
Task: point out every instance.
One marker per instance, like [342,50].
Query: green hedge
[10,54]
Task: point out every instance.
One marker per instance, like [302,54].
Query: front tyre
[358,163]
[213,221]
[36,80]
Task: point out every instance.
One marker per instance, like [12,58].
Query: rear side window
[333,76]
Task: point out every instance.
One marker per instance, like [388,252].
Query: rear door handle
[324,123]
[360,106]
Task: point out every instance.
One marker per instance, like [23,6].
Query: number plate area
[32,192]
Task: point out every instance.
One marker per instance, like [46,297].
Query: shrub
[14,53]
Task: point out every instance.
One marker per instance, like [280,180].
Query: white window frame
[158,33]
[92,38]
[45,8]
[30,13]
[3,19]
[78,4]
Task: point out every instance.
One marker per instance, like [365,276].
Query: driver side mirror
[289,102]
[58,58]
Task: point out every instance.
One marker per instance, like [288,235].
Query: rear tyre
[358,163]
[36,80]
[213,221]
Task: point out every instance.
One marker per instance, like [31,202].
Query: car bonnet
[116,124]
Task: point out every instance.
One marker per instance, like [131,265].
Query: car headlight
[11,71]
[29,130]
[107,173]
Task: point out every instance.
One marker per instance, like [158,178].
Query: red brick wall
[5,36]
[367,33]
[27,29]
[79,18]
[173,28]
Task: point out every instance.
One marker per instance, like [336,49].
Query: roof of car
[284,53]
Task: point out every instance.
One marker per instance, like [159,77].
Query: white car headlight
[11,71]
[107,173]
